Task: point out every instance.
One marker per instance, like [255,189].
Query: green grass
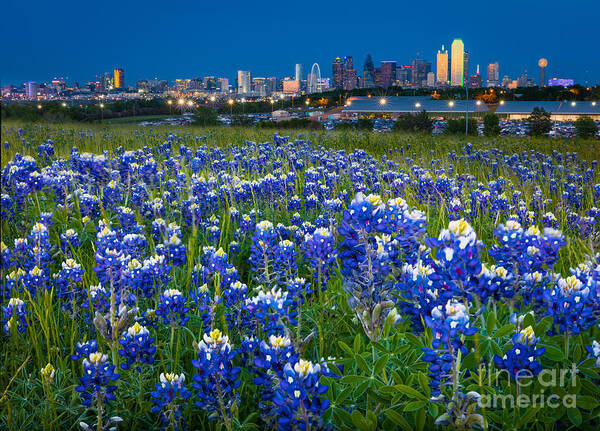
[137,119]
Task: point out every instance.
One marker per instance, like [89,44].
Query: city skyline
[227,44]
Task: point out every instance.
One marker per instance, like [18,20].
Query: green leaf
[360,361]
[469,361]
[575,416]
[490,324]
[553,353]
[410,392]
[529,416]
[505,330]
[357,343]
[414,405]
[359,421]
[354,379]
[424,382]
[544,325]
[587,402]
[380,364]
[346,348]
[413,339]
[397,418]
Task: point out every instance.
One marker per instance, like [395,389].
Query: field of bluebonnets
[232,279]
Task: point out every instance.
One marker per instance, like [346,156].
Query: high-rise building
[442,67]
[349,76]
[298,73]
[119,81]
[505,81]
[476,81]
[223,84]
[337,75]
[466,64]
[31,90]
[368,73]
[404,74]
[385,76]
[420,69]
[457,63]
[493,75]
[244,82]
[271,84]
[431,79]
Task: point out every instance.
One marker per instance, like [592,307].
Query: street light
[272,104]
[170,103]
[451,104]
[102,112]
[230,101]
[478,103]
[39,106]
[64,105]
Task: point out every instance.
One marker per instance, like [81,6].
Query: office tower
[442,67]
[349,75]
[466,64]
[337,75]
[493,75]
[244,82]
[387,74]
[223,85]
[119,81]
[431,79]
[404,74]
[298,72]
[259,86]
[542,63]
[101,87]
[476,81]
[420,69]
[31,90]
[522,81]
[457,63]
[368,73]
[505,81]
[271,84]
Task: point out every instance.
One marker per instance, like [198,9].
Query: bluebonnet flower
[172,308]
[97,380]
[594,351]
[300,396]
[169,393]
[14,316]
[217,379]
[521,359]
[572,307]
[272,310]
[83,350]
[69,241]
[262,252]
[448,324]
[321,253]
[137,346]
[68,281]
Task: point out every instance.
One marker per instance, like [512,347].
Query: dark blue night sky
[184,39]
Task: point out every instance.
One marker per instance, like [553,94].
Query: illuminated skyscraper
[457,63]
[244,82]
[119,78]
[337,75]
[298,72]
[493,75]
[442,67]
[466,64]
[350,80]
